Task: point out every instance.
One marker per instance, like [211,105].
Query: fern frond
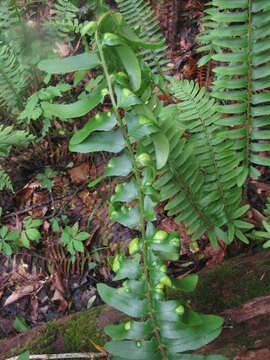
[13,79]
[198,114]
[8,21]
[138,13]
[62,19]
[10,137]
[181,181]
[242,78]
[5,182]
[215,154]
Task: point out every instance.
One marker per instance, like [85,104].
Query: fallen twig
[64,356]
[30,208]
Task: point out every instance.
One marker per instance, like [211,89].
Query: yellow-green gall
[163,268]
[180,310]
[175,242]
[134,246]
[160,236]
[166,281]
[144,159]
[127,325]
[116,263]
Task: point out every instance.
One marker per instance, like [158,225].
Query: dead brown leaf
[79,174]
[56,281]
[20,293]
[57,296]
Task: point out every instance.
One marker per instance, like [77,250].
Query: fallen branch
[44,203]
[64,356]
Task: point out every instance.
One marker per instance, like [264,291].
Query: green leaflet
[129,268]
[79,108]
[111,141]
[131,64]
[131,330]
[162,149]
[101,122]
[126,98]
[140,126]
[117,166]
[144,350]
[126,216]
[187,284]
[123,301]
[125,192]
[85,61]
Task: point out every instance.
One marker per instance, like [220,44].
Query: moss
[231,284]
[81,331]
[43,341]
[72,335]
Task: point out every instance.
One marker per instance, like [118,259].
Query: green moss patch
[72,335]
[231,284]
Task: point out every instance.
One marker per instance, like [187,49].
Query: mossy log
[239,289]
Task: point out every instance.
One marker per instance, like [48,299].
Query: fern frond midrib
[213,157]
[249,92]
[189,195]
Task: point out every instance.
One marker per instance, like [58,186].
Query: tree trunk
[239,289]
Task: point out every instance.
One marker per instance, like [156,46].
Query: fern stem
[249,93]
[136,172]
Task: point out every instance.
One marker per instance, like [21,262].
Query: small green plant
[12,240]
[73,239]
[7,238]
[264,235]
[34,112]
[20,325]
[24,356]
[46,179]
[30,231]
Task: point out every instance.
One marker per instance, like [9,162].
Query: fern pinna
[242,78]
[159,328]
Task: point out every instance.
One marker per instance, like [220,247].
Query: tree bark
[239,289]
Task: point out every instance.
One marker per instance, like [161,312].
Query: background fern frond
[198,114]
[138,13]
[14,80]
[243,78]
[216,156]
[181,181]
[62,19]
[5,182]
[10,137]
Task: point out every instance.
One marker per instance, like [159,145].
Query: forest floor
[43,283]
